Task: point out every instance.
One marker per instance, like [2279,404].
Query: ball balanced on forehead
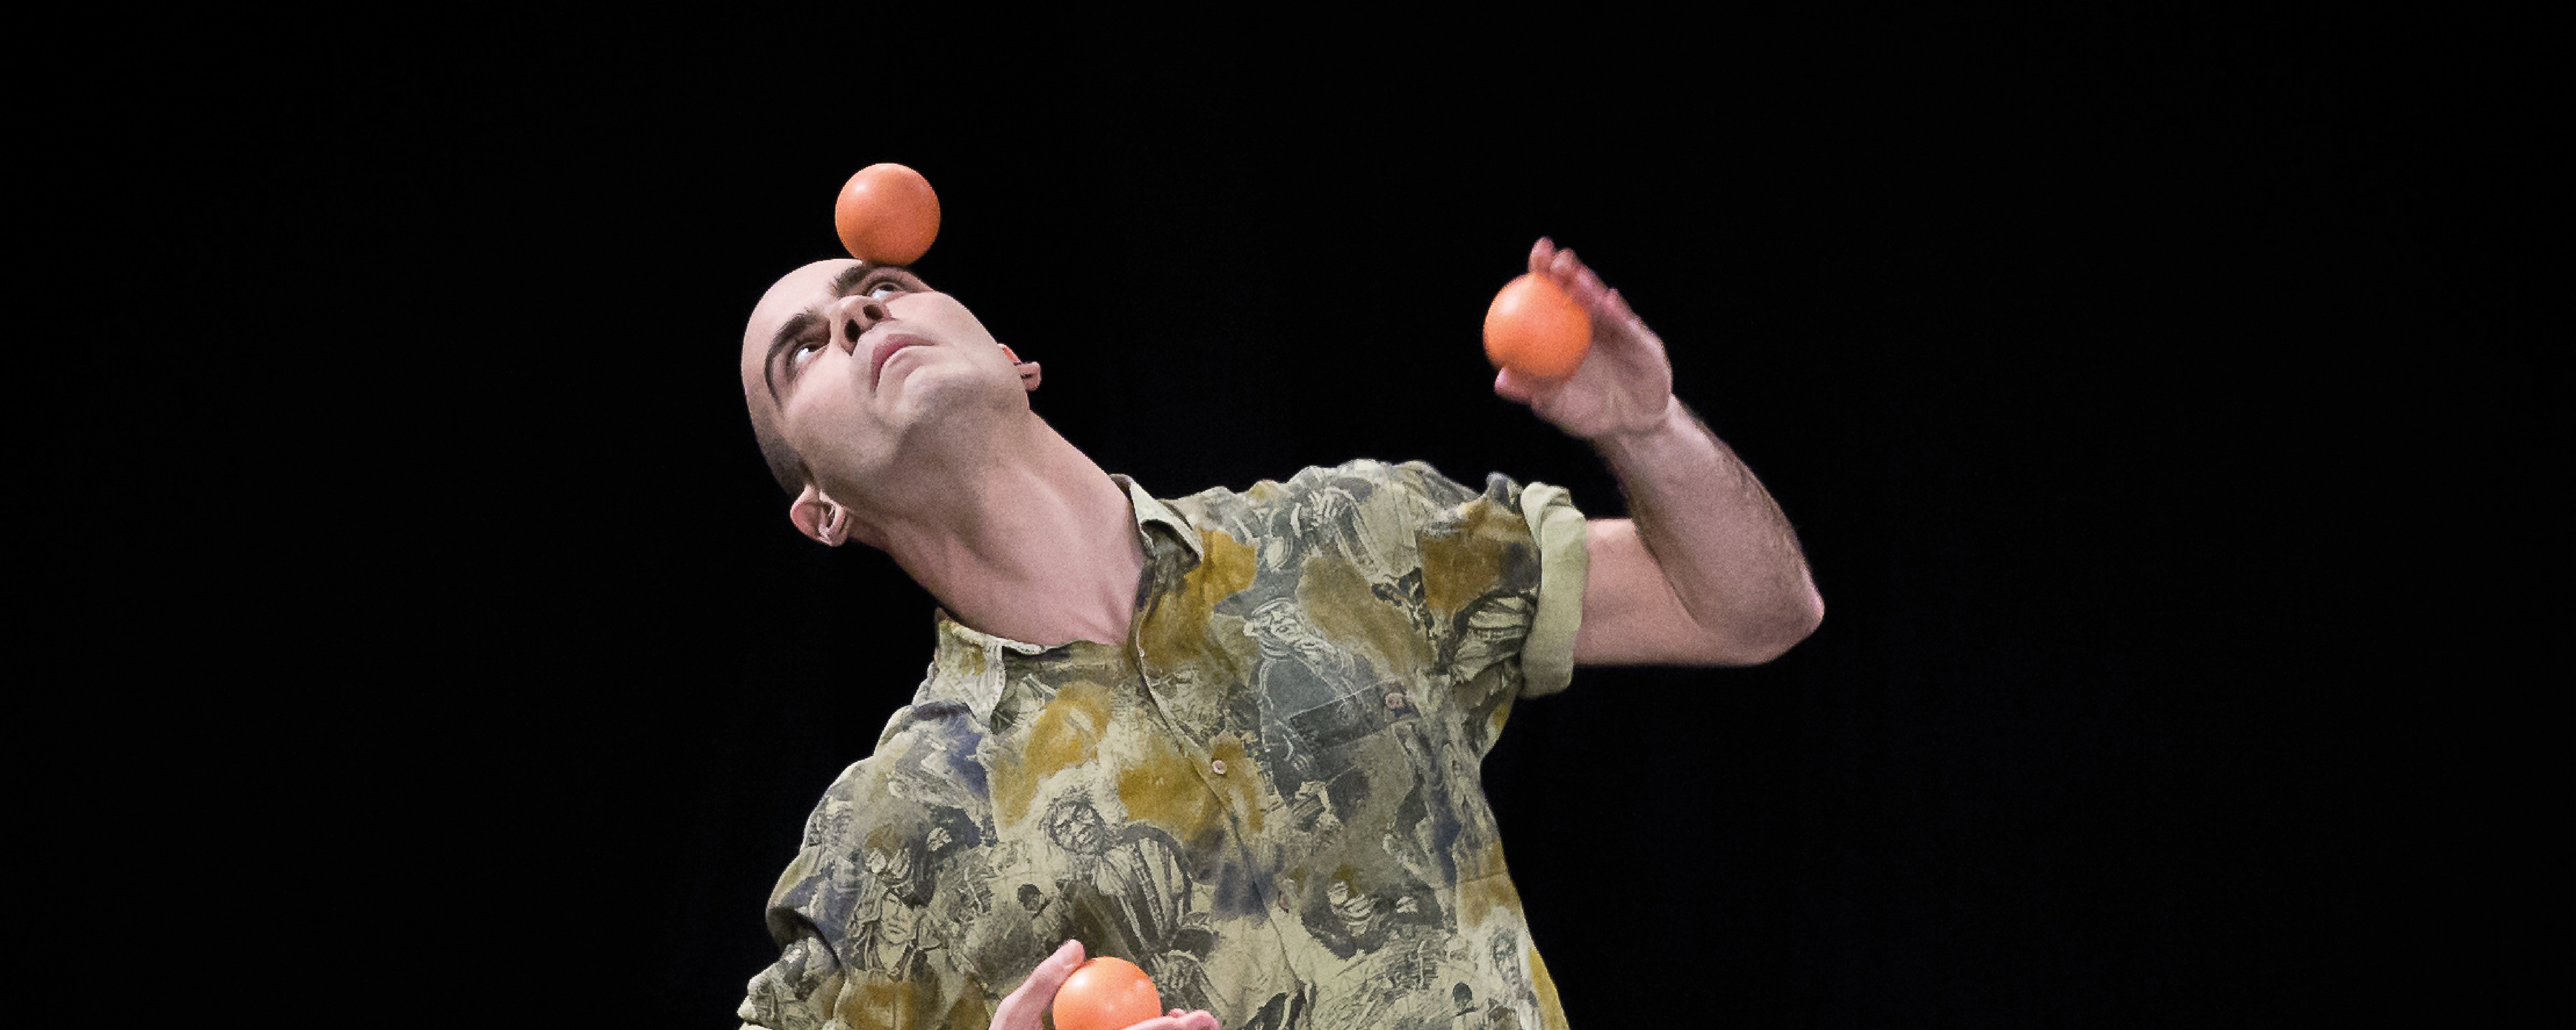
[887,215]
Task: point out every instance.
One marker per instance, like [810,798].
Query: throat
[1045,559]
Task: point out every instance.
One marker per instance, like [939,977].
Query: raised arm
[1707,572]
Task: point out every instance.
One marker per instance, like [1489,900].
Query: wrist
[1674,425]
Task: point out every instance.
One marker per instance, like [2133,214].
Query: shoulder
[926,719]
[927,769]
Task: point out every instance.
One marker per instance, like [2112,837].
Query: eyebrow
[850,278]
[794,329]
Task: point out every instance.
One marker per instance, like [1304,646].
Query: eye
[884,288]
[803,354]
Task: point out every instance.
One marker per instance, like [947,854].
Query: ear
[819,518]
[1028,369]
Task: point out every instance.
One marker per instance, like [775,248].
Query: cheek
[825,414]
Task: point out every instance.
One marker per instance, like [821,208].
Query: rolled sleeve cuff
[1547,657]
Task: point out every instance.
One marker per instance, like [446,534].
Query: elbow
[1808,615]
[1776,631]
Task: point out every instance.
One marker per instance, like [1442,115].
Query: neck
[1027,540]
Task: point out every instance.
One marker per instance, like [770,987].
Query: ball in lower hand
[887,215]
[1105,994]
[1534,329]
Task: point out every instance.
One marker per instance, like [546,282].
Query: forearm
[1722,544]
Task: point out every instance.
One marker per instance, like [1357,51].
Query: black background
[2163,399]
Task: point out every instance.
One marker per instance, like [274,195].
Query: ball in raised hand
[1534,329]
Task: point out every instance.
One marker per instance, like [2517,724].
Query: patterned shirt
[1268,797]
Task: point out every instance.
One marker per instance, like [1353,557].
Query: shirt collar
[1152,512]
[967,664]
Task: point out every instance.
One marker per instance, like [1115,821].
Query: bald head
[847,365]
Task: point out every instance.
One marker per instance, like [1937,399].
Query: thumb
[1051,973]
[1020,1010]
[1528,389]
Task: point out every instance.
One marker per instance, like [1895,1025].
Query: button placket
[1241,837]
[1154,693]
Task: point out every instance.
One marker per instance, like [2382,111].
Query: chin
[934,393]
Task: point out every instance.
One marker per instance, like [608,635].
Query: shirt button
[1218,765]
[1395,700]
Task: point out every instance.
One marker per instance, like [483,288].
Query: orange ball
[1106,994]
[1534,329]
[887,215]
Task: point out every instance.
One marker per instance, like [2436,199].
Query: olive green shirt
[1268,797]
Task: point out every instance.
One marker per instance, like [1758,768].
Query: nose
[852,317]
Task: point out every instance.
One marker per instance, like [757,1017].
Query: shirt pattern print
[1268,798]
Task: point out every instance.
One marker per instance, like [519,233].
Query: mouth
[884,349]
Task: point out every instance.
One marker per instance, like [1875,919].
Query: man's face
[1080,829]
[849,363]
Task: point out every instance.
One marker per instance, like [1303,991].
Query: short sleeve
[1525,550]
[1557,528]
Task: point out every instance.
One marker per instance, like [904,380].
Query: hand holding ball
[887,215]
[1534,329]
[1106,994]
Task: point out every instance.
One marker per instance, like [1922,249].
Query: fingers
[1571,275]
[1616,306]
[1579,282]
[1564,268]
[1519,386]
[1196,1020]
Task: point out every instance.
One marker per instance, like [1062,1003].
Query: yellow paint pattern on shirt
[1163,788]
[1550,1014]
[1166,788]
[878,1003]
[971,1011]
[1459,567]
[1238,784]
[1065,733]
[1177,632]
[1341,605]
[1489,889]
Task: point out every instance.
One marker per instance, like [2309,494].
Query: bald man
[1222,735]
